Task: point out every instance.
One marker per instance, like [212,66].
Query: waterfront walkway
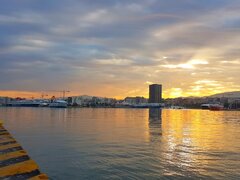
[14,161]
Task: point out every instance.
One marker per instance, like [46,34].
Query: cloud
[114,61]
[119,46]
[188,65]
[208,82]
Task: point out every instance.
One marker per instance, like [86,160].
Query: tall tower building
[155,93]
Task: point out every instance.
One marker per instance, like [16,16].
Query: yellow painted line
[40,176]
[4,134]
[18,168]
[12,155]
[9,146]
[6,139]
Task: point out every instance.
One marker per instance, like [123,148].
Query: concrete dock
[14,161]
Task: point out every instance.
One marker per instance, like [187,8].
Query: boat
[44,104]
[148,105]
[216,107]
[25,103]
[143,105]
[155,105]
[58,104]
[205,106]
[177,107]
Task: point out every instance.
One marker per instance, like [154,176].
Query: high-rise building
[155,93]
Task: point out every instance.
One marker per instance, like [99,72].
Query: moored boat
[205,106]
[25,103]
[58,104]
[148,105]
[216,107]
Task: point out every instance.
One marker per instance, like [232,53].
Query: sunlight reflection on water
[128,143]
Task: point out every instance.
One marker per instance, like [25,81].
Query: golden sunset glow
[119,89]
[89,50]
[198,89]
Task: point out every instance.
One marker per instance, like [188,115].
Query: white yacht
[58,104]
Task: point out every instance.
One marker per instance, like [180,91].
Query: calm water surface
[128,143]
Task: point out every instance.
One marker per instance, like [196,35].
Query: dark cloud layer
[120,46]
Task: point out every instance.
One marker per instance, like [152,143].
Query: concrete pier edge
[15,163]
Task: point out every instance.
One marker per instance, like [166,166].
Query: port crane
[63,92]
[44,95]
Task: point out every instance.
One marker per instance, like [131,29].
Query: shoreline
[123,107]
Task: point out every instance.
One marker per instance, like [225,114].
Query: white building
[90,100]
[4,100]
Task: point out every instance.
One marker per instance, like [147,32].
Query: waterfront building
[135,100]
[90,101]
[4,100]
[80,100]
[155,93]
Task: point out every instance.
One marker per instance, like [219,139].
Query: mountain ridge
[232,94]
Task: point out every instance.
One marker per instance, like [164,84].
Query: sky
[116,48]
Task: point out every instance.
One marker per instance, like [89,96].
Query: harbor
[96,103]
[118,143]
[119,89]
[223,101]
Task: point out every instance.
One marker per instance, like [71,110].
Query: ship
[148,105]
[24,103]
[205,106]
[58,104]
[216,107]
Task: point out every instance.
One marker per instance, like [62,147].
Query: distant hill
[234,94]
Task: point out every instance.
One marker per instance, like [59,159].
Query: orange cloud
[33,94]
